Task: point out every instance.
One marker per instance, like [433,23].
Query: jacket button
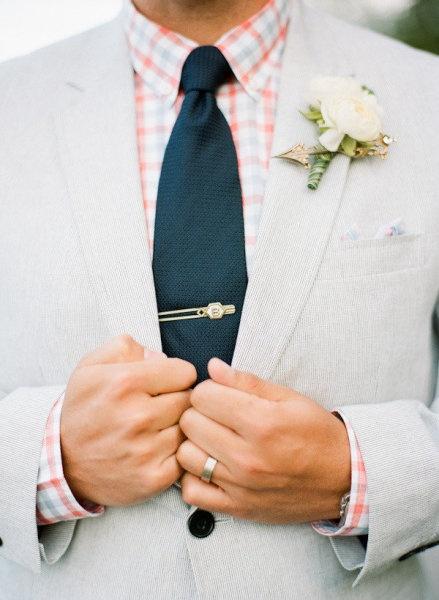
[201,523]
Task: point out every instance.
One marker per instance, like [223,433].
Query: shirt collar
[158,54]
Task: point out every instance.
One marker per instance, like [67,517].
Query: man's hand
[119,424]
[281,456]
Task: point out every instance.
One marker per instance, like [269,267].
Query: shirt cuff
[55,501]
[356,520]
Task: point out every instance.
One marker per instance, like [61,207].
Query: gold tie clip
[214,310]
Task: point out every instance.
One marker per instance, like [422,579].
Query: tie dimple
[205,70]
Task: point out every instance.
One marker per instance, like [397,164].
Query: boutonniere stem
[318,168]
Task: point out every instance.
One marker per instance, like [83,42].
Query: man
[138,176]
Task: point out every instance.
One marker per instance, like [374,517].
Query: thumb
[244,381]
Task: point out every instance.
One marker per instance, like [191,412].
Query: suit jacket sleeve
[23,416]
[399,443]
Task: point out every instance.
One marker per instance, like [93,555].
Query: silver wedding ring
[208,468]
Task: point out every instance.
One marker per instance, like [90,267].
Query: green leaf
[349,145]
[313,114]
[368,90]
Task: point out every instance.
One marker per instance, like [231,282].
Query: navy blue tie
[199,248]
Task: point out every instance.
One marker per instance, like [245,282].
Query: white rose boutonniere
[349,120]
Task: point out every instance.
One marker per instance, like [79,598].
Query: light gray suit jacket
[351,324]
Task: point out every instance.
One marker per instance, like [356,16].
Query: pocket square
[352,233]
[396,227]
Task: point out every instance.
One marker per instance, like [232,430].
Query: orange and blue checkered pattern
[254,52]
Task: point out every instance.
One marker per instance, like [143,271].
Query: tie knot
[205,69]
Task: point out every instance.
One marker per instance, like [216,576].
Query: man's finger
[223,373]
[216,440]
[169,440]
[193,459]
[165,410]
[171,471]
[229,406]
[154,376]
[204,495]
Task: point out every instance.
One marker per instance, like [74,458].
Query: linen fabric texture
[350,324]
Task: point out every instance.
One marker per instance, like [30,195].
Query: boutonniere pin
[348,118]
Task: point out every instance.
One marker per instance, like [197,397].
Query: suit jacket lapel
[98,152]
[296,223]
[97,138]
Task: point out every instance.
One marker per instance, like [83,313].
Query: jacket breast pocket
[360,258]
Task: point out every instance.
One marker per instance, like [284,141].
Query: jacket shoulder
[363,45]
[29,77]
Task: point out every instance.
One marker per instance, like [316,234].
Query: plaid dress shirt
[254,51]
